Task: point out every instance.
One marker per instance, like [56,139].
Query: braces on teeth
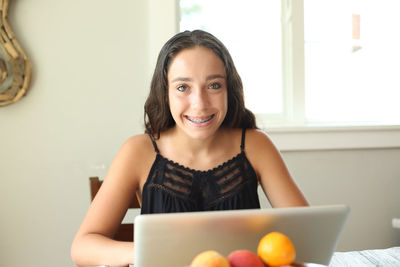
[201,121]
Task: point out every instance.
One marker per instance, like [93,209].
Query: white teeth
[200,120]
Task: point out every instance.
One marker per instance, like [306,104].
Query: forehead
[195,61]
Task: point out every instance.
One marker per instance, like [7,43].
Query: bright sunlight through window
[352,60]
[349,56]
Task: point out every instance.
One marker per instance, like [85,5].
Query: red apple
[244,258]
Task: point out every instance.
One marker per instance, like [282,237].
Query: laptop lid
[174,239]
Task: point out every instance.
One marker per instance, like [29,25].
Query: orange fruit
[209,258]
[276,249]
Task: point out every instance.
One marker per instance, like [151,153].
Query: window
[311,61]
[352,61]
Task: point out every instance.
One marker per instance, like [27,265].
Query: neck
[192,146]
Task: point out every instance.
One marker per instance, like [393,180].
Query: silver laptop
[174,239]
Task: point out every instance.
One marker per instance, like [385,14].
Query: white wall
[92,61]
[367,180]
[90,79]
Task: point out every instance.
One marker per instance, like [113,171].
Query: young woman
[201,151]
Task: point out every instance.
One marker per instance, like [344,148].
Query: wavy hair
[158,118]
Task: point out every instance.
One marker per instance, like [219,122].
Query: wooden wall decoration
[15,68]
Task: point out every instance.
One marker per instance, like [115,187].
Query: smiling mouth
[200,120]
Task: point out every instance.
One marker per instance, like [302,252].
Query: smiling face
[197,92]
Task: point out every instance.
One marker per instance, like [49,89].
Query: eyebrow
[210,77]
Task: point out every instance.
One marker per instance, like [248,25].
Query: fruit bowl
[274,249]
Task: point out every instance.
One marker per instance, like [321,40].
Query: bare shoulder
[137,140]
[258,140]
[261,151]
[271,171]
[134,157]
[137,145]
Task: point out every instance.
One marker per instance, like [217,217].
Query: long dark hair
[158,117]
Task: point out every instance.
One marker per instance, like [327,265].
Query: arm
[93,244]
[272,172]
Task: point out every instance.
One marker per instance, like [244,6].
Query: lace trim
[193,171]
[170,191]
[223,181]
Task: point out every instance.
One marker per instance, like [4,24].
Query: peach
[244,258]
[209,258]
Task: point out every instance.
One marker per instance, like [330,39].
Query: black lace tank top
[171,187]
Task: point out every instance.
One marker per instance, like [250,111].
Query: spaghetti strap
[243,138]
[154,143]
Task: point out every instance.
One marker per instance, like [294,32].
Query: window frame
[295,134]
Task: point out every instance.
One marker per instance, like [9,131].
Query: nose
[199,98]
